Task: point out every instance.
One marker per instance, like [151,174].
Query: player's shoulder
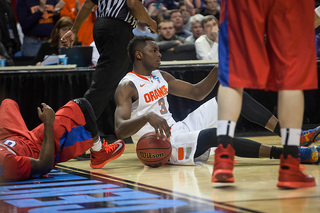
[126,84]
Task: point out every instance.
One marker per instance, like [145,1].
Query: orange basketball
[153,152]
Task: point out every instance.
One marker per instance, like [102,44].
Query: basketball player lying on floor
[142,107]
[62,136]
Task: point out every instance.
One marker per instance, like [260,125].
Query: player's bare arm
[84,12]
[139,12]
[125,126]
[43,164]
[196,91]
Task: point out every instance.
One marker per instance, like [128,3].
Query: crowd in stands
[187,29]
[181,25]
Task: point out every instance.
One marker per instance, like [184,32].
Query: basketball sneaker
[223,164]
[108,153]
[310,136]
[290,175]
[309,154]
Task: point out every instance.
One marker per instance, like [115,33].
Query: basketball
[153,152]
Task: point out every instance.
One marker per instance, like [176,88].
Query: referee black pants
[111,37]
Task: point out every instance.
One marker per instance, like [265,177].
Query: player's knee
[88,114]
[82,103]
[207,138]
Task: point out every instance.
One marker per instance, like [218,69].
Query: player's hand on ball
[160,125]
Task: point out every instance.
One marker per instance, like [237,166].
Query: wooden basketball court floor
[126,185]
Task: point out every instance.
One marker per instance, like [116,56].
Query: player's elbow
[197,96]
[44,169]
[41,167]
[121,134]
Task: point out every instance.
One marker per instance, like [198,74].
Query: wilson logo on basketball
[151,155]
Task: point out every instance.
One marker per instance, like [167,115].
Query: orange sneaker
[108,153]
[290,175]
[223,164]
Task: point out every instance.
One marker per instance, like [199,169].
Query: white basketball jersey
[152,91]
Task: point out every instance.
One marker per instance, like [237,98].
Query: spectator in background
[37,18]
[171,4]
[18,27]
[143,30]
[8,31]
[196,28]
[211,8]
[194,6]
[185,16]
[176,18]
[70,9]
[167,40]
[4,55]
[52,46]
[155,10]
[207,44]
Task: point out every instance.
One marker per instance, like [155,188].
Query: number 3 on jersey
[162,104]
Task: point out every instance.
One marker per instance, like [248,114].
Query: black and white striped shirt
[115,9]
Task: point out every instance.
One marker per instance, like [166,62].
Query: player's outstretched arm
[44,163]
[196,91]
[125,126]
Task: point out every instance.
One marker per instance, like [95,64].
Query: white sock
[226,128]
[290,136]
[97,145]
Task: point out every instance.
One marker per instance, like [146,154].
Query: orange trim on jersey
[140,76]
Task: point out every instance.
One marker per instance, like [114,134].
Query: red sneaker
[108,153]
[290,175]
[223,165]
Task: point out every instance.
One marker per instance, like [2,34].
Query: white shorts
[184,134]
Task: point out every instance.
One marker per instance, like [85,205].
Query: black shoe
[84,156]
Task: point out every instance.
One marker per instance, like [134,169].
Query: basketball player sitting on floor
[62,136]
[142,107]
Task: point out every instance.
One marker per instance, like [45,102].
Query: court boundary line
[160,190]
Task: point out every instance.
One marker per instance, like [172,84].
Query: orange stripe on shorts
[180,153]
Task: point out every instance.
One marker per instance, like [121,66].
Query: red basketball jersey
[18,144]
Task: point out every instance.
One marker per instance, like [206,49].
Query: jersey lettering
[155,94]
[162,104]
